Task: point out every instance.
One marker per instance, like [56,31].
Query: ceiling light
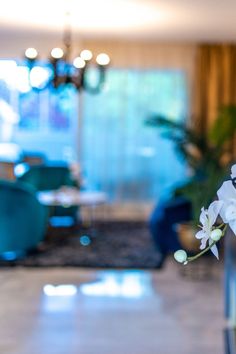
[31,53]
[103,59]
[57,53]
[79,63]
[63,70]
[86,54]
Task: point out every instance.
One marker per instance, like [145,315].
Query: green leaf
[224,127]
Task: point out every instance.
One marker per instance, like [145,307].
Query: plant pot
[186,233]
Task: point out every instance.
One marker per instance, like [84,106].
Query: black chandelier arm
[58,80]
[55,79]
[30,63]
[77,78]
[100,83]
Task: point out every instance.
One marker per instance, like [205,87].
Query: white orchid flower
[227,194]
[233,171]
[207,219]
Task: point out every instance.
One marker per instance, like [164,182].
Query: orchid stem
[221,225]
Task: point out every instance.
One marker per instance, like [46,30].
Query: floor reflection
[59,298]
[127,284]
[60,290]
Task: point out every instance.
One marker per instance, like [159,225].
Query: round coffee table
[67,197]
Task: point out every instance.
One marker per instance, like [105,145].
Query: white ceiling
[182,20]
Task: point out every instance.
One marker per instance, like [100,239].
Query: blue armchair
[50,177]
[162,222]
[47,177]
[23,220]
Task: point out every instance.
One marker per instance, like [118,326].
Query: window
[119,153]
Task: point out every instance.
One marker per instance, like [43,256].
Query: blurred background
[117,125]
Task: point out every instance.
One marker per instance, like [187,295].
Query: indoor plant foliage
[211,231]
[207,155]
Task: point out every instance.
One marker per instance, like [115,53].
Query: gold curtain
[215,82]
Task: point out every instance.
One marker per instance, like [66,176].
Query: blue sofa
[23,220]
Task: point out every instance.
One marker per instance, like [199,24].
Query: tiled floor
[110,312]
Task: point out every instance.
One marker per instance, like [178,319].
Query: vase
[186,233]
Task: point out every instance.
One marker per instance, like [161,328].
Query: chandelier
[63,71]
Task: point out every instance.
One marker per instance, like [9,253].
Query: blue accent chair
[162,222]
[23,220]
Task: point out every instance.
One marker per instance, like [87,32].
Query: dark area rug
[113,245]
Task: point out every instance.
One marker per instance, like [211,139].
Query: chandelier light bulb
[57,53]
[86,54]
[31,53]
[103,59]
[38,76]
[79,63]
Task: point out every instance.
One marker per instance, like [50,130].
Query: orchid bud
[180,256]
[216,234]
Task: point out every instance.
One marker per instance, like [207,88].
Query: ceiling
[166,20]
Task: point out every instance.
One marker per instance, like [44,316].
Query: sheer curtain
[120,153]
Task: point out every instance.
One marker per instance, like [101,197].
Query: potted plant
[208,156]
